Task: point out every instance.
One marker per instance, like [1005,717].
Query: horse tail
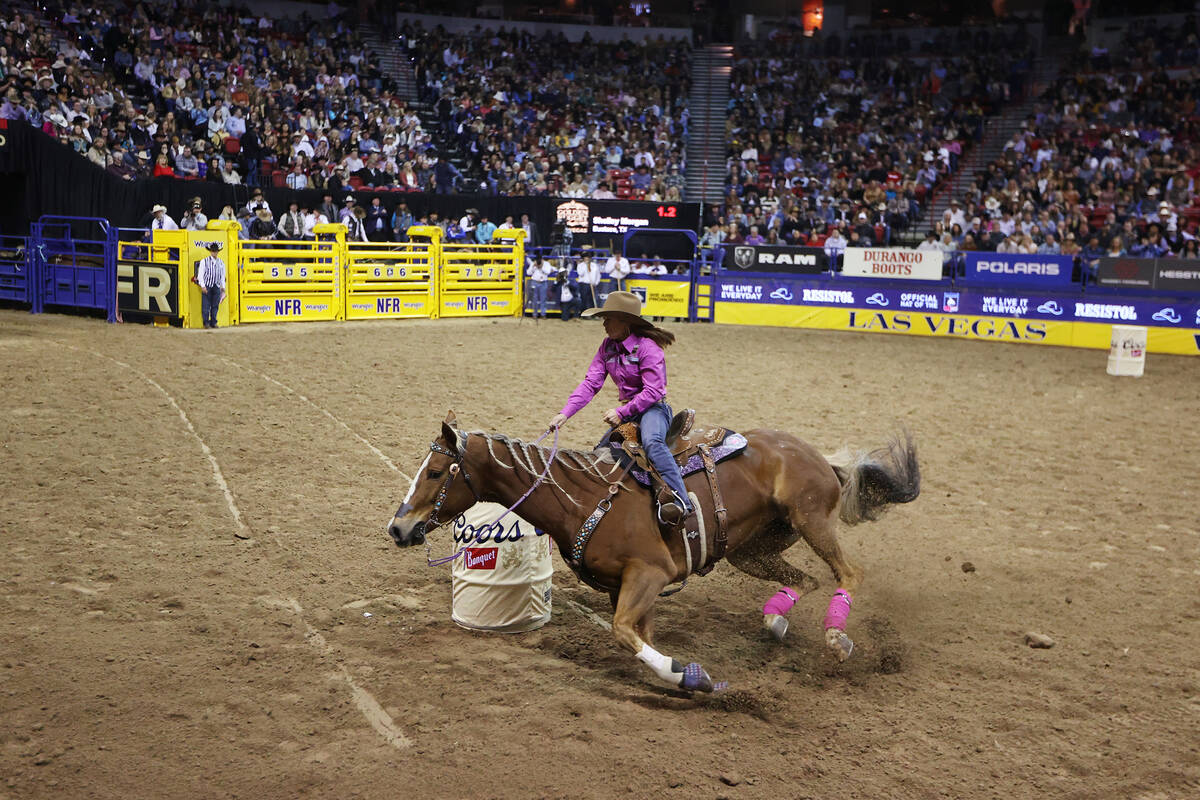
[872,481]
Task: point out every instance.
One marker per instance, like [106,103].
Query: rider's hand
[612,417]
[558,421]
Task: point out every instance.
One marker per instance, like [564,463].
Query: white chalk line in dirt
[382,456]
[379,719]
[368,706]
[242,532]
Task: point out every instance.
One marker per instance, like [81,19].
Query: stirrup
[671,514]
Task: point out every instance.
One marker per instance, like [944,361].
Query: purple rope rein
[437,562]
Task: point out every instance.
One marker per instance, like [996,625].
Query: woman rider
[632,354]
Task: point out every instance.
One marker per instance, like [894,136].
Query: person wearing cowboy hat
[632,354]
[160,221]
[210,275]
[257,201]
[263,226]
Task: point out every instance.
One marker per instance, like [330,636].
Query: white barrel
[501,582]
[1127,355]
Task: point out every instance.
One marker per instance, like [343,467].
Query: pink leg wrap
[839,610]
[782,602]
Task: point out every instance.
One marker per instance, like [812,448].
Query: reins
[433,523]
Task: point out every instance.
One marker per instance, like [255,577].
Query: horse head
[441,489]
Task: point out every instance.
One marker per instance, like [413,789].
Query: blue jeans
[209,303]
[652,427]
[539,297]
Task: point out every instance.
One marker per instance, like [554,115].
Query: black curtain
[39,175]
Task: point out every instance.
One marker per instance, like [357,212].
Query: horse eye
[434,474]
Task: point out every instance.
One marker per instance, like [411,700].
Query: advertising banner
[148,287]
[775,258]
[1061,307]
[662,297]
[1129,273]
[1177,275]
[1014,269]
[584,217]
[892,263]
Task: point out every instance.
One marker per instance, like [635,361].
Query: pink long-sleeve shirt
[638,368]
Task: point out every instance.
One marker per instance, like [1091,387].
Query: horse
[777,490]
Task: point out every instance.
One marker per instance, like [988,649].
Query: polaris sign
[1011,269]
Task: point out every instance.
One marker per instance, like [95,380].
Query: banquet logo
[480,557]
[574,214]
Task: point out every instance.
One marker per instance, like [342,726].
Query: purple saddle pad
[731,445]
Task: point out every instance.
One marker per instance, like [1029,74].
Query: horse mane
[597,465]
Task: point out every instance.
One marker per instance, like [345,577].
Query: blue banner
[971,301]
[1011,269]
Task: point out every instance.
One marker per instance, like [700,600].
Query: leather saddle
[682,439]
[693,450]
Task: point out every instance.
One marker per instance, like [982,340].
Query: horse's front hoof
[776,625]
[696,679]
[839,643]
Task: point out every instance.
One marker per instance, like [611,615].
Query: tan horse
[778,490]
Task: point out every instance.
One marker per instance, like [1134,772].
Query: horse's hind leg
[640,586]
[820,534]
[762,559]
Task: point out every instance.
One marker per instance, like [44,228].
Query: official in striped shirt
[210,274]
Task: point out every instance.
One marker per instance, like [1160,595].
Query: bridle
[433,523]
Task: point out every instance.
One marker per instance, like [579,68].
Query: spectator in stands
[160,220]
[355,225]
[930,242]
[589,279]
[402,220]
[162,168]
[484,230]
[532,238]
[568,294]
[193,218]
[617,269]
[1049,247]
[376,221]
[1116,247]
[263,224]
[539,274]
[296,179]
[186,165]
[291,224]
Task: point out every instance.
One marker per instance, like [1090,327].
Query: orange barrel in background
[501,582]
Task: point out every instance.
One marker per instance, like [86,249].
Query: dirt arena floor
[146,651]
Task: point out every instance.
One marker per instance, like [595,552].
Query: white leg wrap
[660,664]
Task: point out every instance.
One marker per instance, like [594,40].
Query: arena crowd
[1106,163]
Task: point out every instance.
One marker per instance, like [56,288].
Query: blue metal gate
[74,264]
[16,282]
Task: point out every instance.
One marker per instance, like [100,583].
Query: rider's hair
[641,327]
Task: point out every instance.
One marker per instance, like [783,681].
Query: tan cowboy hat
[626,303]
[157,209]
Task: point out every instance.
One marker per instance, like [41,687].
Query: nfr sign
[387,305]
[145,287]
[287,308]
[477,303]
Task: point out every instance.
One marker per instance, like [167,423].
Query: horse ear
[451,437]
[451,420]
